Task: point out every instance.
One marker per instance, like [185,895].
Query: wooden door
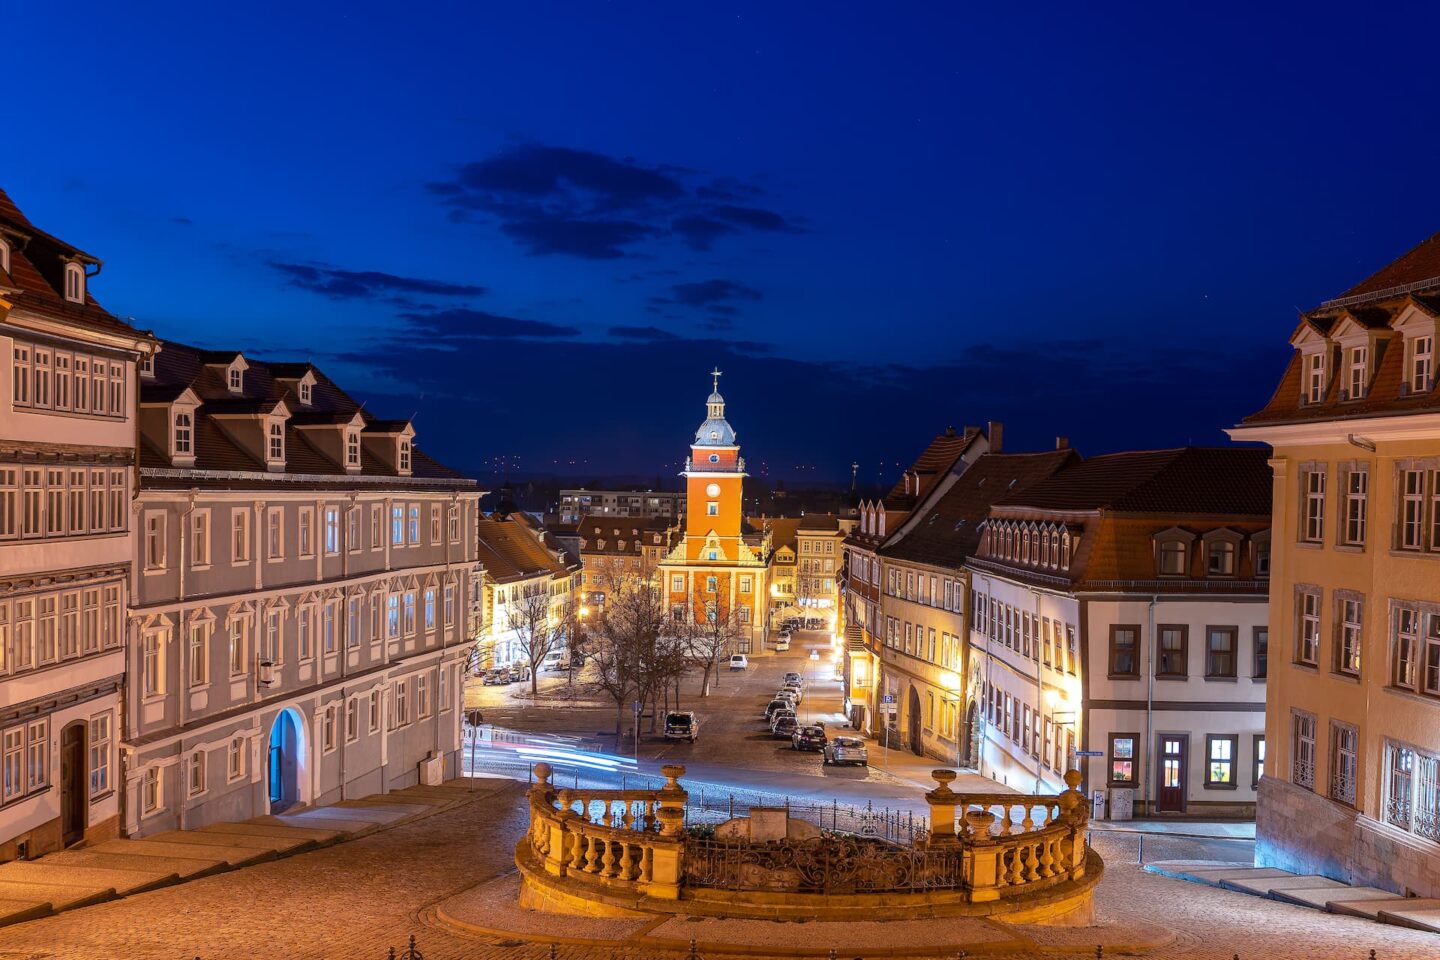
[1173,751]
[72,783]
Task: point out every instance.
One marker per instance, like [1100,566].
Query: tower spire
[715,380]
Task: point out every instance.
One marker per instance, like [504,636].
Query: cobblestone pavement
[357,899]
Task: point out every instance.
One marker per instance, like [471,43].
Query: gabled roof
[933,463]
[1417,265]
[949,530]
[37,270]
[634,532]
[511,552]
[1191,481]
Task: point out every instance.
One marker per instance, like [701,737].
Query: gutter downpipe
[1039,688]
[1149,705]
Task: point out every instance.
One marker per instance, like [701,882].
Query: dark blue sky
[539,225]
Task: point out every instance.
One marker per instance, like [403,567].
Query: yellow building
[721,564]
[1351,786]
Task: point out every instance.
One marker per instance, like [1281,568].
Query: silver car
[845,750]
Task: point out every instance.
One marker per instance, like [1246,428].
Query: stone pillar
[1075,812]
[942,802]
[981,857]
[666,866]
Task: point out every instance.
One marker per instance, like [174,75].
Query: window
[275,534]
[429,609]
[410,613]
[328,738]
[1259,769]
[239,635]
[1172,558]
[1220,644]
[101,737]
[402,703]
[1122,760]
[1262,653]
[677,583]
[305,392]
[1432,655]
[1173,651]
[183,426]
[413,524]
[240,535]
[1344,761]
[374,711]
[199,654]
[1302,750]
[1124,644]
[305,532]
[711,584]
[1422,364]
[12,765]
[152,794]
[1347,651]
[1220,558]
[1312,527]
[37,745]
[277,442]
[155,541]
[1220,761]
[404,456]
[74,283]
[235,379]
[453,522]
[352,720]
[197,773]
[200,539]
[397,526]
[1315,377]
[422,696]
[235,759]
[332,530]
[1307,634]
[1356,372]
[352,448]
[1357,484]
[1412,510]
[153,664]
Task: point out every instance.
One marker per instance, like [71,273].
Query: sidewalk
[1198,829]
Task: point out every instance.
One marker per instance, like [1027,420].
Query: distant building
[302,596]
[520,562]
[1119,606]
[67,456]
[613,548]
[1352,780]
[720,566]
[575,505]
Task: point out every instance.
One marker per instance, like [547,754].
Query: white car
[738,661]
[782,645]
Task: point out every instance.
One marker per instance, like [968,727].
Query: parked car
[779,703]
[794,677]
[519,672]
[785,693]
[738,661]
[681,725]
[496,677]
[795,689]
[784,726]
[556,660]
[845,750]
[782,644]
[808,737]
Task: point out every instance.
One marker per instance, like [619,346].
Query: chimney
[1062,443]
[995,430]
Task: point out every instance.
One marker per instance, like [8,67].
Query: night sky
[538,226]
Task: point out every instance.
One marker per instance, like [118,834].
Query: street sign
[888,698]
[637,706]
[1089,753]
[890,709]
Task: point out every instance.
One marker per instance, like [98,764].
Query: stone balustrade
[992,847]
[619,838]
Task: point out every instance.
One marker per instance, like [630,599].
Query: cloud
[460,323]
[713,296]
[553,200]
[641,333]
[341,284]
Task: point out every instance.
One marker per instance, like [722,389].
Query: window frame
[1230,762]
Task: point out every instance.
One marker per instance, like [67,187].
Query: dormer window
[4,255]
[184,427]
[1315,377]
[304,392]
[277,442]
[404,456]
[1420,370]
[1356,371]
[74,283]
[1220,559]
[1172,558]
[352,448]
[236,379]
[147,365]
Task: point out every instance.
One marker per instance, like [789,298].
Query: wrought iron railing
[824,864]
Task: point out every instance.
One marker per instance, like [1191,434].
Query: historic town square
[661,482]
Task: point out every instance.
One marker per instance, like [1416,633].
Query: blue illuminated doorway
[286,761]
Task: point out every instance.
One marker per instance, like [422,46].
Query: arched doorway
[917,740]
[972,735]
[286,766]
[73,791]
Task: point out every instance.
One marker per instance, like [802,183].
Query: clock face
[713,490]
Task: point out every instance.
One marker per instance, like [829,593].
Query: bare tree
[535,634]
[622,637]
[713,631]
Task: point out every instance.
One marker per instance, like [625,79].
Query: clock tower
[716,572]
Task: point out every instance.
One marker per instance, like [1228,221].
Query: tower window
[74,283]
[712,509]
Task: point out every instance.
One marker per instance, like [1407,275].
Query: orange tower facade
[719,568]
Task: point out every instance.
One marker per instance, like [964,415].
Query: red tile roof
[1417,265]
[509,551]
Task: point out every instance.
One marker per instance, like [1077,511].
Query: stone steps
[1308,890]
[117,868]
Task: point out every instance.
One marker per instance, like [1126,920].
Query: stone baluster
[980,858]
[627,860]
[942,801]
[666,867]
[609,863]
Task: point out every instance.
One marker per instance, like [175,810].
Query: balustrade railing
[982,846]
